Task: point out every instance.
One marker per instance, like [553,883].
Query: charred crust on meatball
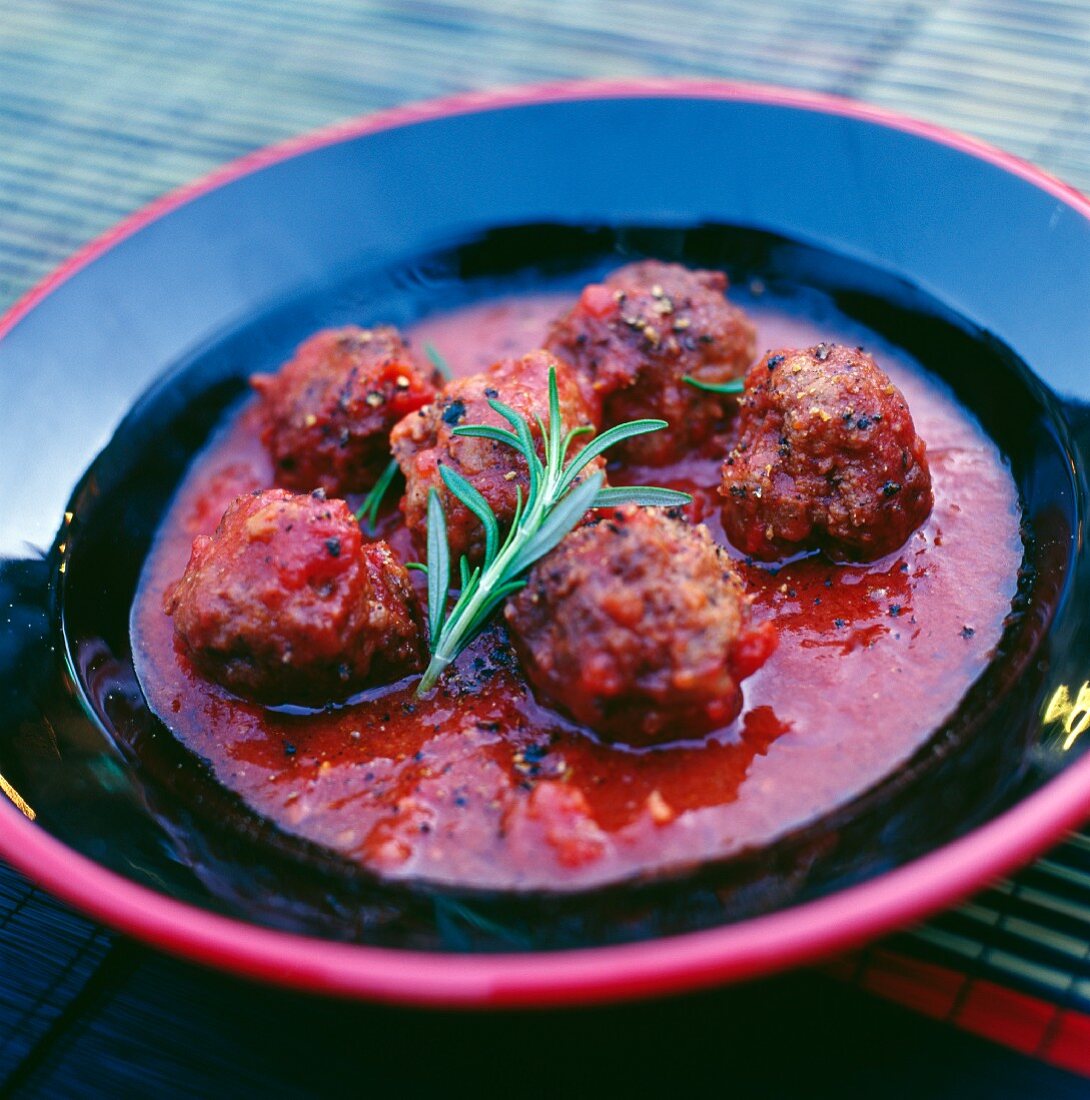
[634,338]
[826,456]
[329,410]
[639,628]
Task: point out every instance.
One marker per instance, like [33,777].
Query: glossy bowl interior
[141,346]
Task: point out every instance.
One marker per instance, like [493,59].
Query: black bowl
[361,226]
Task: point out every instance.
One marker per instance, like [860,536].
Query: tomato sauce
[478,786]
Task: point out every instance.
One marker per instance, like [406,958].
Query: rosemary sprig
[373,501]
[735,385]
[553,506]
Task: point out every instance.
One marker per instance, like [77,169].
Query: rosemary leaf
[373,501]
[645,495]
[438,565]
[606,440]
[470,577]
[573,434]
[555,430]
[480,507]
[437,361]
[486,431]
[510,588]
[734,386]
[526,440]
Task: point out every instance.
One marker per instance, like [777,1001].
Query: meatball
[638,627]
[425,441]
[638,334]
[286,604]
[329,411]
[826,456]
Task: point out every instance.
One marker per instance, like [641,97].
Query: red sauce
[481,787]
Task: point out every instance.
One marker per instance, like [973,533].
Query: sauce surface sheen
[481,787]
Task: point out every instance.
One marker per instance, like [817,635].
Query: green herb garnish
[373,501]
[734,386]
[437,361]
[553,506]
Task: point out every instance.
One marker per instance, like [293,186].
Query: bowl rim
[733,952]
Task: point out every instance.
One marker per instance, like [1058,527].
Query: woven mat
[106,104]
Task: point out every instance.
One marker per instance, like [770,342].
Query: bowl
[116,369]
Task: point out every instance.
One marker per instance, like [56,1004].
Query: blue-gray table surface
[107,104]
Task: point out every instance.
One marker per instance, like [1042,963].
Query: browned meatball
[638,334]
[285,604]
[638,627]
[827,456]
[425,441]
[329,411]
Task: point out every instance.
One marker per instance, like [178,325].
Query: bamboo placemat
[107,104]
